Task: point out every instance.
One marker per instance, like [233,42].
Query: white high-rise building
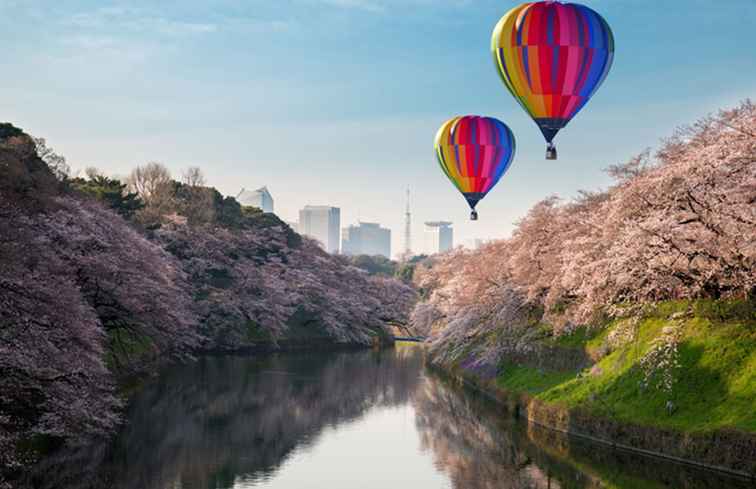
[367,238]
[475,243]
[439,236]
[322,223]
[259,198]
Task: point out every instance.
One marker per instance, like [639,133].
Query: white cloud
[136,20]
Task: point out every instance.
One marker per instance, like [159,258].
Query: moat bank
[696,405]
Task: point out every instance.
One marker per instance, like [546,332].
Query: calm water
[342,421]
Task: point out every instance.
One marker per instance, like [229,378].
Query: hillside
[264,285]
[97,286]
[630,307]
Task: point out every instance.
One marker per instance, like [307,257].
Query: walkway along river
[368,420]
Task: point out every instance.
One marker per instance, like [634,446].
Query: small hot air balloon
[474,153]
[552,57]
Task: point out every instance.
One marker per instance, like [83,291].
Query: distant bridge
[416,339]
[402,332]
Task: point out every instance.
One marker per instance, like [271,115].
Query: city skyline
[361,238]
[188,84]
[367,238]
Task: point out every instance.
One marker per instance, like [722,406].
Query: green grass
[519,378]
[577,338]
[715,387]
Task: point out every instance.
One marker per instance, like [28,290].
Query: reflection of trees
[224,419]
[471,446]
[206,424]
[626,470]
[478,447]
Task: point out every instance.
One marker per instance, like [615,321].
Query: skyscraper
[259,198]
[367,238]
[439,236]
[322,223]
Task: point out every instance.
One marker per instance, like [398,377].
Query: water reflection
[346,420]
[204,425]
[478,448]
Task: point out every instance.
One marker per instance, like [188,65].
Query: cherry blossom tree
[87,298]
[260,283]
[678,224]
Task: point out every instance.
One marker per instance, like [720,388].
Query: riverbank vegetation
[102,280]
[678,365]
[634,303]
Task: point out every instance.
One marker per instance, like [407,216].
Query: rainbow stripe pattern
[552,57]
[474,152]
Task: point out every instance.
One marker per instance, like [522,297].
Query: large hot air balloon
[474,153]
[552,57]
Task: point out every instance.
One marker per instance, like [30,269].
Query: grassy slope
[715,387]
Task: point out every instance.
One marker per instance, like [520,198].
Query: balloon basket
[551,152]
[474,216]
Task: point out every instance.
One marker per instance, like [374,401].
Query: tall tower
[407,229]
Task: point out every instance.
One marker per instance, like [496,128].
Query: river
[356,420]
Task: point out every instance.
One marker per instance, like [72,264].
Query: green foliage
[205,205]
[594,344]
[228,211]
[39,445]
[406,270]
[195,203]
[125,346]
[8,130]
[732,310]
[305,326]
[665,309]
[111,192]
[254,217]
[534,316]
[24,177]
[250,211]
[560,307]
[256,333]
[714,388]
[220,278]
[375,265]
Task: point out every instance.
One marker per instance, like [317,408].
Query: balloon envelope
[474,152]
[552,57]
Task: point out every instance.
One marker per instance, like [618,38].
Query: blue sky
[337,101]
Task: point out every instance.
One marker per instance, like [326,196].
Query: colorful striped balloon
[552,57]
[474,152]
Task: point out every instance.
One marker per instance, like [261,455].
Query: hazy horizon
[336,102]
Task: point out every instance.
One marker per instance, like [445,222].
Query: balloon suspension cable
[551,152]
[474,215]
